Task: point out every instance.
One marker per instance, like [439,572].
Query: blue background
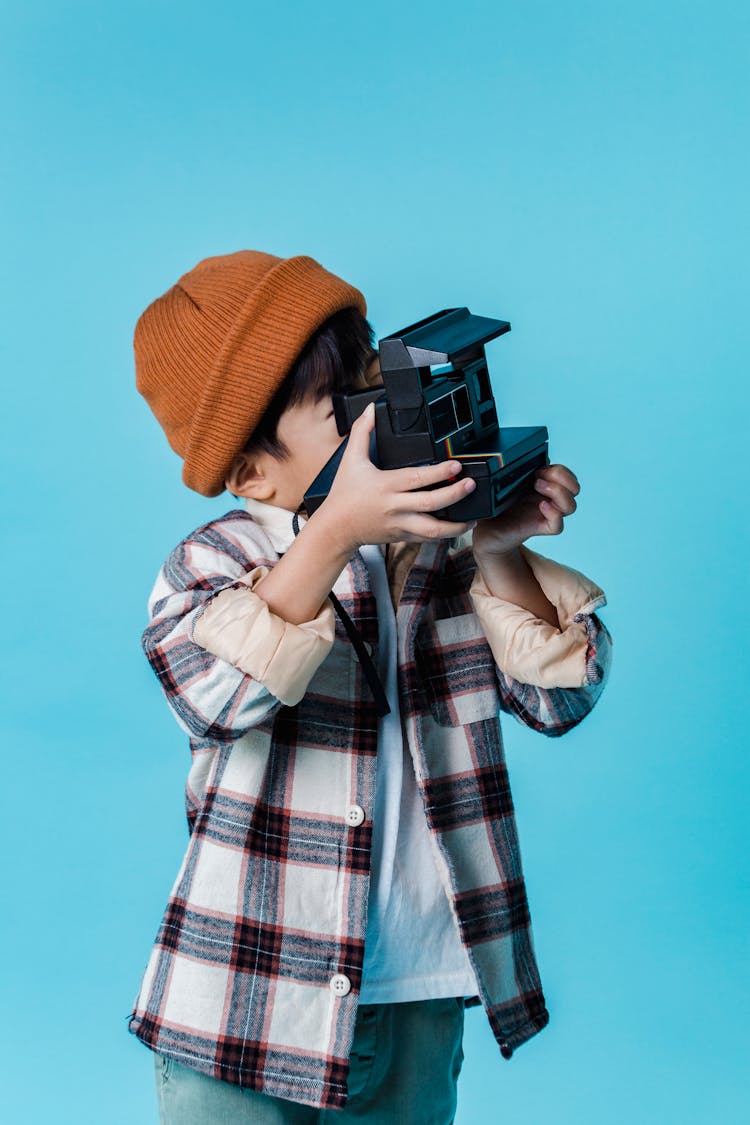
[580,170]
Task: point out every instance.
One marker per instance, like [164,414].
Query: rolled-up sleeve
[238,627]
[224,662]
[549,678]
[530,649]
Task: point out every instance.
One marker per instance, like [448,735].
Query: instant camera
[436,404]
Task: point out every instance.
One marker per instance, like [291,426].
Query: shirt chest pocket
[457,670]
[333,686]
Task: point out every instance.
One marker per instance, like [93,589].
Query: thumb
[359,435]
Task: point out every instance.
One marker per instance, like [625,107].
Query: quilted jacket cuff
[531,650]
[237,625]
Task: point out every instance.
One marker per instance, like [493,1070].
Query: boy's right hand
[371,505]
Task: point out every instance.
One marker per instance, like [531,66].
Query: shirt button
[355,814]
[340,985]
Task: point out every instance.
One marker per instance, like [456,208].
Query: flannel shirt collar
[275,521]
[277,524]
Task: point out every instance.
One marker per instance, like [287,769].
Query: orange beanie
[211,352]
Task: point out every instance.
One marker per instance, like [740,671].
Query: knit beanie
[212,351]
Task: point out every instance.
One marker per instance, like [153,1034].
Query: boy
[353,874]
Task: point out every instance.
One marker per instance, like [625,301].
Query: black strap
[369,669]
[365,659]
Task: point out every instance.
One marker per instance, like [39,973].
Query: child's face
[309,432]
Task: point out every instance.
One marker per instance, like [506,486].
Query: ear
[247,478]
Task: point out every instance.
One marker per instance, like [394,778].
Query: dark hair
[337,354]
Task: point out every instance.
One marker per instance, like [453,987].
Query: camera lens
[442,417]
[462,407]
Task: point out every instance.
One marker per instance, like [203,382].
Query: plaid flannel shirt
[256,968]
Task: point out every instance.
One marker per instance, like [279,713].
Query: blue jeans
[405,1063]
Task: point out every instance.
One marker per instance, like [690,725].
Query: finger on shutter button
[340,985]
[355,815]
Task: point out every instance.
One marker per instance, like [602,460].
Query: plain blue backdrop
[578,169]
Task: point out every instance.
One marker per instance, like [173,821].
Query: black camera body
[436,404]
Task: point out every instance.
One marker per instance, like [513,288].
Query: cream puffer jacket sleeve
[530,649]
[239,627]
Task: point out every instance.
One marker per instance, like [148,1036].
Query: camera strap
[365,659]
[369,669]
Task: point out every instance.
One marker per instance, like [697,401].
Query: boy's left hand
[540,512]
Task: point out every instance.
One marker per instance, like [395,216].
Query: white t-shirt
[412,947]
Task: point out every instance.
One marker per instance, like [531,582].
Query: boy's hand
[371,505]
[540,513]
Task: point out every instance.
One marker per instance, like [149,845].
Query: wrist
[508,555]
[330,524]
[508,576]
